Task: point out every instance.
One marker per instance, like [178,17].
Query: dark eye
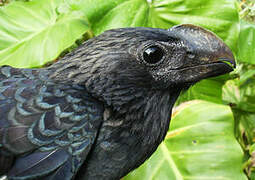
[153,54]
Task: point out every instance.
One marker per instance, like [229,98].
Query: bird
[102,110]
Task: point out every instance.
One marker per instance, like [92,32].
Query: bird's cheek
[176,61]
[181,76]
[196,73]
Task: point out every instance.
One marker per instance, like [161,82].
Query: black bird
[103,109]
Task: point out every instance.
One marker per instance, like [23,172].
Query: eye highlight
[153,54]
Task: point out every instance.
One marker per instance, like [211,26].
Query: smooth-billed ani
[103,109]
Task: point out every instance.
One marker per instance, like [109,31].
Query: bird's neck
[151,115]
[146,115]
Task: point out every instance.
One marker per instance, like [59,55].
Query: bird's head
[123,60]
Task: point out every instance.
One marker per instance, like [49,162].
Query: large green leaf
[34,33]
[220,16]
[200,146]
[246,43]
[209,90]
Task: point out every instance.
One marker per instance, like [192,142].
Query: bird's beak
[207,55]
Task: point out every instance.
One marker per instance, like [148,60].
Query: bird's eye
[153,54]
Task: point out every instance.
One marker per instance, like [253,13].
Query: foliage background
[212,131]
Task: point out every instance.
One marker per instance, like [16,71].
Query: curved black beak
[210,55]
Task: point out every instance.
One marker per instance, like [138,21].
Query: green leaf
[199,145]
[34,33]
[246,43]
[209,90]
[240,97]
[250,164]
[246,76]
[104,15]
[220,16]
[246,127]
